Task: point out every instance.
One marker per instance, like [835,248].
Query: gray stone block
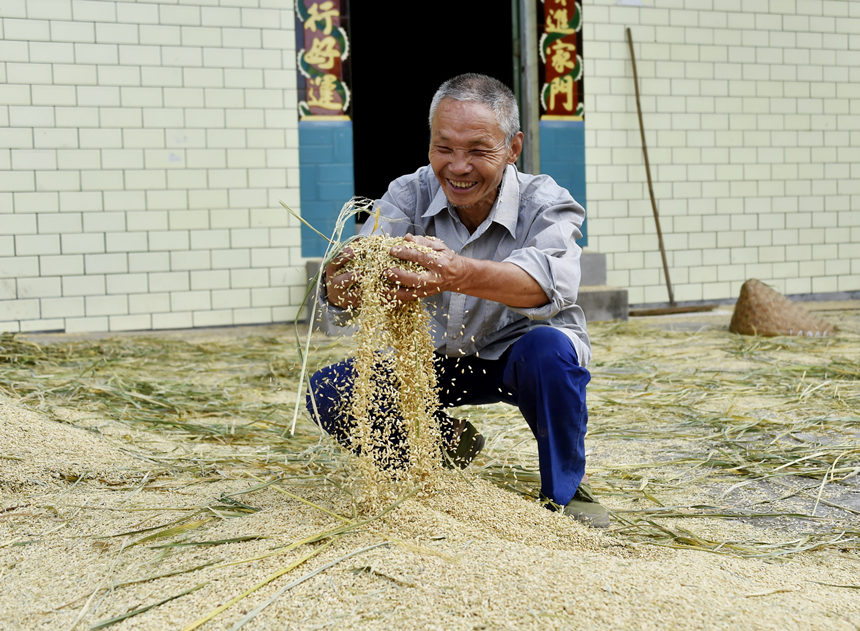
[600,302]
[593,268]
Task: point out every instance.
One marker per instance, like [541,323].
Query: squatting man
[501,287]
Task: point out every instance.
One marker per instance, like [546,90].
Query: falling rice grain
[395,393]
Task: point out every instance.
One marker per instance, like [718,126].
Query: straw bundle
[760,310]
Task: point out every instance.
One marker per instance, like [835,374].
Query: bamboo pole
[648,171]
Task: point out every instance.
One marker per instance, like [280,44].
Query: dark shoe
[583,508]
[463,446]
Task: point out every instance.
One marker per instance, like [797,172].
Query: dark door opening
[400,52]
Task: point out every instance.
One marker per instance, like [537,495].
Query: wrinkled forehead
[466,122]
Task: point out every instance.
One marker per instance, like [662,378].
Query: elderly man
[501,288]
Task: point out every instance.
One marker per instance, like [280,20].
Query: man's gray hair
[487,91]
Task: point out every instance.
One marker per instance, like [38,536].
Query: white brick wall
[143,149]
[752,118]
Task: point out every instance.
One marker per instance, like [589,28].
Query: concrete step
[601,302]
[592,265]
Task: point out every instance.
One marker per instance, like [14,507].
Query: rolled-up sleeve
[551,256]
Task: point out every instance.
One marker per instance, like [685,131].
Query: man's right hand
[340,285]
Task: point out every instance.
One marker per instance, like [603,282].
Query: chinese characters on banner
[326,47]
[560,52]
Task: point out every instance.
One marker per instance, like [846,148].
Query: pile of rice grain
[395,395]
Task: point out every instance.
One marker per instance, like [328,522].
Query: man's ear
[516,148]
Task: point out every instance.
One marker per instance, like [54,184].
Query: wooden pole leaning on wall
[672,308]
[648,171]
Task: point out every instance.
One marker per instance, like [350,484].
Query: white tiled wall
[752,118]
[144,147]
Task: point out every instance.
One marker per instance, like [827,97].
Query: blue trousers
[539,373]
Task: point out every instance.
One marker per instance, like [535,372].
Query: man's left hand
[445,270]
[442,267]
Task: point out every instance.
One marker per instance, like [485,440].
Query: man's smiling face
[468,154]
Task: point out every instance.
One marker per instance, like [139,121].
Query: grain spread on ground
[150,482]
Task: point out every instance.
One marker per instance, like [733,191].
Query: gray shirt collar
[505,210]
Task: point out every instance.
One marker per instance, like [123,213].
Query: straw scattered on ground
[151,482]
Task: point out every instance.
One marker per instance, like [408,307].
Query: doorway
[400,52]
